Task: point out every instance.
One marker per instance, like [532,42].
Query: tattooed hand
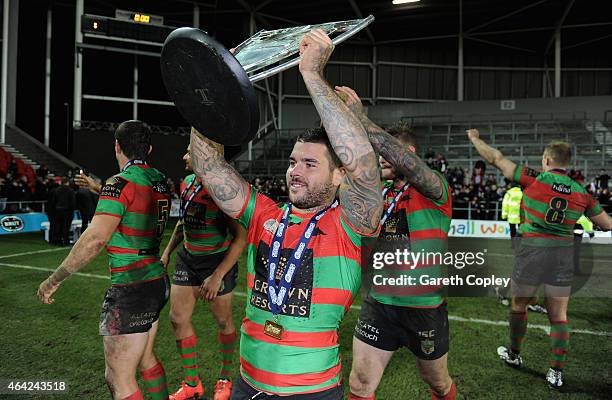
[315,49]
[394,151]
[351,99]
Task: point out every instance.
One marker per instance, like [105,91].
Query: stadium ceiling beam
[253,16]
[540,28]
[519,30]
[507,46]
[586,42]
[359,14]
[566,11]
[416,39]
[491,21]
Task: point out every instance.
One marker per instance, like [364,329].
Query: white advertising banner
[494,229]
[479,229]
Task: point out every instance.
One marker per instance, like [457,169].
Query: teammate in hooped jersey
[417,216]
[206,267]
[552,203]
[304,257]
[130,219]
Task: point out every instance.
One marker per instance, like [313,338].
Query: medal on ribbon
[389,210]
[278,294]
[185,203]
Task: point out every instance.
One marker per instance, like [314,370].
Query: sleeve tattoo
[406,162]
[225,185]
[360,192]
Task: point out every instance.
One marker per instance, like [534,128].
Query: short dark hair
[404,133]
[560,152]
[319,135]
[134,138]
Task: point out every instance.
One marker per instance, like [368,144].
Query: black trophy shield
[209,87]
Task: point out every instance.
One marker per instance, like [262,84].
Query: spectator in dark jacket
[86,202]
[62,202]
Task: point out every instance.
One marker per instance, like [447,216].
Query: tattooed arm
[360,192]
[91,242]
[227,188]
[394,151]
[492,155]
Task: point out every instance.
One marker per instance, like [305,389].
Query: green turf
[61,341]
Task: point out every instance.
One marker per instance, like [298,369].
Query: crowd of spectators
[476,194]
[273,187]
[20,183]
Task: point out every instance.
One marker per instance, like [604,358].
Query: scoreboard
[127,25]
[139,17]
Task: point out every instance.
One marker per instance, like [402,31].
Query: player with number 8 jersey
[552,203]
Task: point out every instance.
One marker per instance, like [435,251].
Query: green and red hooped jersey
[204,224]
[141,198]
[552,203]
[422,225]
[307,359]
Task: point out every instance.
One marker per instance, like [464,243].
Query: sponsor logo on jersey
[561,188]
[113,187]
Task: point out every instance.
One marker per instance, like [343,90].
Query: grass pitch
[61,342]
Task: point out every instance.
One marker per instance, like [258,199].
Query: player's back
[140,196]
[552,203]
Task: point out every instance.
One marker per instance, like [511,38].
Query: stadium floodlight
[396,2]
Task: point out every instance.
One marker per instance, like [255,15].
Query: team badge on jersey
[113,187]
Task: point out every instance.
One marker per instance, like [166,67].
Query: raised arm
[360,192]
[224,184]
[602,220]
[394,151]
[492,155]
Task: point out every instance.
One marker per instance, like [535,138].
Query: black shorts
[241,390]
[423,330]
[192,270]
[535,266]
[133,308]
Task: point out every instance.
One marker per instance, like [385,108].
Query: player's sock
[518,329]
[559,341]
[227,347]
[155,382]
[355,397]
[135,396]
[451,395]
[188,351]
